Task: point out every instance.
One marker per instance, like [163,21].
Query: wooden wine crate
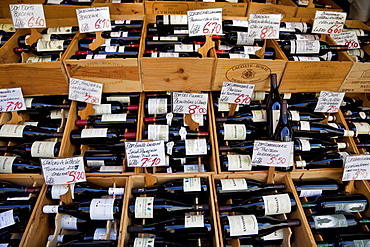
[286,10]
[302,234]
[169,7]
[358,78]
[150,180]
[228,9]
[310,11]
[136,8]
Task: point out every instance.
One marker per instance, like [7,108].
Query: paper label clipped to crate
[11,99]
[329,102]
[205,22]
[348,38]
[93,19]
[236,93]
[264,26]
[189,103]
[356,168]
[27,15]
[270,153]
[63,170]
[145,154]
[85,91]
[328,22]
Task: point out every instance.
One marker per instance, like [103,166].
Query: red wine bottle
[14,131]
[13,164]
[273,106]
[99,135]
[38,149]
[122,120]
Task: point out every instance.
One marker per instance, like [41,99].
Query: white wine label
[195,146]
[330,221]
[6,163]
[300,163]
[251,49]
[45,37]
[349,133]
[111,169]
[275,119]
[349,207]
[102,109]
[300,58]
[102,209]
[95,163]
[225,106]
[234,132]
[54,45]
[193,168]
[169,117]
[258,95]
[144,207]
[37,59]
[236,55]
[114,117]
[309,193]
[28,102]
[100,234]
[43,149]
[361,243]
[184,48]
[304,125]
[158,132]
[306,46]
[194,221]
[305,144]
[144,242]
[362,128]
[287,95]
[25,198]
[157,106]
[12,130]
[234,184]
[191,184]
[169,146]
[58,189]
[307,37]
[116,191]
[199,118]
[295,115]
[259,116]
[341,145]
[68,222]
[6,219]
[110,48]
[239,162]
[242,38]
[277,204]
[180,31]
[122,99]
[50,209]
[168,54]
[59,30]
[241,225]
[277,235]
[183,133]
[178,19]
[94,132]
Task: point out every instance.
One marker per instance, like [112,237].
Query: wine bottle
[34,103]
[151,240]
[321,5]
[60,30]
[309,47]
[157,106]
[317,188]
[122,120]
[283,131]
[329,56]
[273,106]
[151,53]
[167,133]
[245,117]
[245,186]
[237,38]
[111,108]
[99,135]
[165,20]
[360,128]
[354,239]
[319,130]
[43,48]
[83,55]
[300,37]
[302,3]
[69,222]
[245,147]
[94,159]
[13,164]
[234,162]
[308,116]
[175,119]
[317,145]
[325,244]
[330,160]
[188,147]
[235,132]
[23,42]
[326,223]
[15,131]
[37,149]
[296,27]
[98,234]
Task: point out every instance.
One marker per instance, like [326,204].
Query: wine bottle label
[233,184]
[238,23]
[50,209]
[225,47]
[356,52]
[44,149]
[114,117]
[180,31]
[169,170]
[54,45]
[44,37]
[304,46]
[28,102]
[361,243]
[157,106]
[6,163]
[277,235]
[166,54]
[241,38]
[300,163]
[102,209]
[307,37]
[295,115]
[115,34]
[275,119]
[116,191]
[330,221]
[304,125]
[258,96]
[6,219]
[236,55]
[305,144]
[193,168]
[350,207]
[59,238]
[4,245]
[300,58]
[7,27]
[183,133]
[31,123]
[12,130]
[37,59]
[158,132]
[259,116]
[301,26]
[362,128]
[195,146]
[191,184]
[334,125]
[241,225]
[169,146]
[277,204]
[251,49]
[95,163]
[309,193]
[110,48]
[328,56]
[199,118]
[225,106]
[59,30]
[94,132]
[111,169]
[303,2]
[100,234]
[239,162]
[144,242]
[24,198]
[68,222]
[97,56]
[234,132]
[102,109]
[184,48]
[58,189]
[349,133]
[144,207]
[192,221]
[165,38]
[287,95]
[57,114]
[178,19]
[122,99]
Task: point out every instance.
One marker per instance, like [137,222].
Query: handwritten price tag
[189,103]
[264,26]
[329,101]
[269,153]
[357,168]
[328,22]
[11,99]
[236,93]
[348,38]
[27,15]
[93,19]
[145,154]
[85,91]
[63,170]
[205,22]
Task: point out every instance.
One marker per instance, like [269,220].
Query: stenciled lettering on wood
[170,9]
[248,73]
[107,70]
[271,10]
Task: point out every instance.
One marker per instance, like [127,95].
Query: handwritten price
[150,161]
[360,175]
[102,23]
[276,161]
[212,28]
[76,176]
[243,99]
[13,106]
[267,33]
[192,109]
[335,28]
[351,44]
[91,99]
[38,22]
[332,108]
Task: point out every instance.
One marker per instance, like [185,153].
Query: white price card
[328,22]
[93,19]
[356,168]
[85,91]
[11,99]
[329,102]
[264,26]
[348,38]
[270,153]
[236,93]
[145,154]
[189,103]
[27,15]
[205,22]
[63,170]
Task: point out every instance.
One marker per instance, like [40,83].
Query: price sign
[85,91]
[145,154]
[63,170]
[269,153]
[189,103]
[329,102]
[205,22]
[11,99]
[236,93]
[356,168]
[27,15]
[93,19]
[348,38]
[264,26]
[328,22]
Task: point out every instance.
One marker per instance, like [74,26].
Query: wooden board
[169,7]
[262,8]
[311,12]
[228,9]
[117,9]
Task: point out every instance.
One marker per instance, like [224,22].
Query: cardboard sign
[189,103]
[329,102]
[93,19]
[264,26]
[205,22]
[27,15]
[145,154]
[63,170]
[348,38]
[85,91]
[270,153]
[357,168]
[236,93]
[329,22]
[11,99]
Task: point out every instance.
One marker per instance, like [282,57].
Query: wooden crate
[136,8]
[169,7]
[228,9]
[288,10]
[310,12]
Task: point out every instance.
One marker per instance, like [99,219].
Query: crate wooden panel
[228,9]
[33,78]
[311,12]
[169,7]
[117,9]
[262,8]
